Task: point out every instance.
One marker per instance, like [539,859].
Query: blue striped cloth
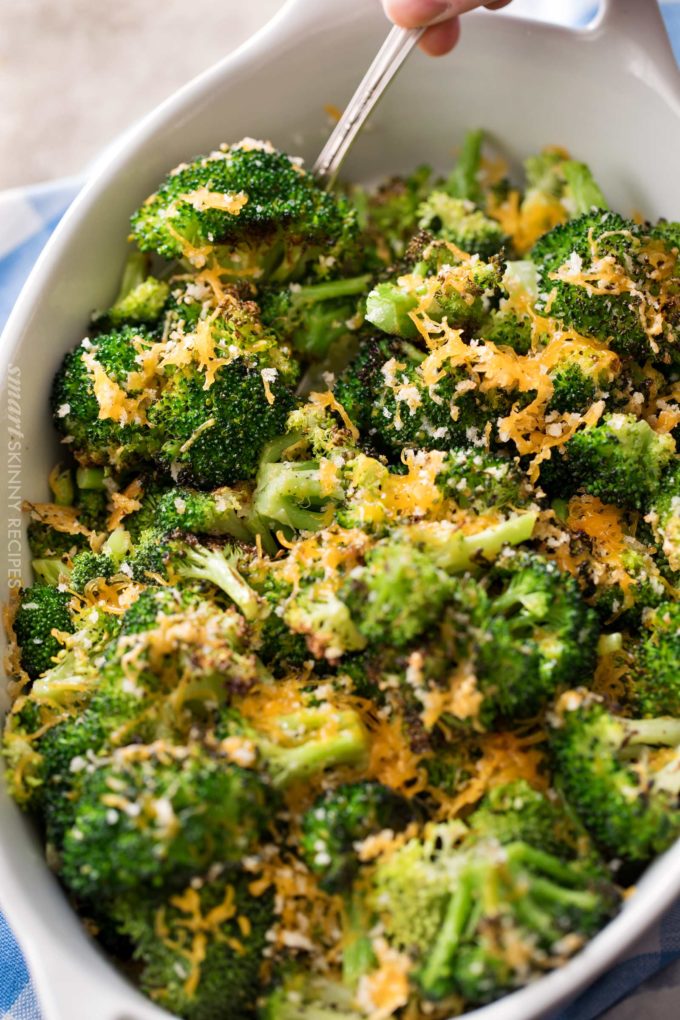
[27,218]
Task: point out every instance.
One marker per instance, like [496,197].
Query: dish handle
[639,21]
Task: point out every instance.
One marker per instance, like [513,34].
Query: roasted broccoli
[347,682]
[656,675]
[249,209]
[609,278]
[458,907]
[620,775]
[620,460]
[141,297]
[315,317]
[208,961]
[190,810]
[343,817]
[440,283]
[41,616]
[99,406]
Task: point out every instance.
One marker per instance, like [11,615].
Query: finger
[413,13]
[497,5]
[440,39]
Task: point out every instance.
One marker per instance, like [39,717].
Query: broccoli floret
[620,460]
[42,609]
[92,497]
[551,175]
[157,820]
[457,908]
[252,210]
[315,317]
[343,817]
[293,493]
[277,645]
[511,324]
[508,329]
[438,416]
[598,274]
[304,743]
[216,436]
[516,811]
[153,488]
[458,220]
[303,996]
[40,747]
[481,481]
[620,776]
[397,594]
[316,611]
[438,283]
[644,590]
[207,965]
[119,436]
[463,181]
[219,566]
[141,297]
[518,635]
[224,512]
[664,515]
[388,216]
[398,591]
[46,543]
[87,566]
[656,676]
[539,636]
[574,390]
[146,562]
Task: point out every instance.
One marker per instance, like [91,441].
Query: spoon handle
[390,57]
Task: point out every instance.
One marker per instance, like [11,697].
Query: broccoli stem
[464,180]
[61,683]
[90,478]
[539,860]
[203,564]
[49,570]
[291,493]
[435,978]
[651,732]
[463,551]
[543,890]
[134,273]
[61,484]
[608,644]
[358,957]
[347,744]
[117,545]
[317,292]
[585,191]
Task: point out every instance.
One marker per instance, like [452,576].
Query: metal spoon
[390,57]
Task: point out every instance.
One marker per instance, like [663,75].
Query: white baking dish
[611,94]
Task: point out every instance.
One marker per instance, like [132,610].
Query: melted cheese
[114,402]
[524,222]
[62,518]
[505,758]
[201,199]
[333,404]
[123,503]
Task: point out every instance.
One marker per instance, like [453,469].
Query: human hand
[443,35]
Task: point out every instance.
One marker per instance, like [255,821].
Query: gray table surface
[74,73]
